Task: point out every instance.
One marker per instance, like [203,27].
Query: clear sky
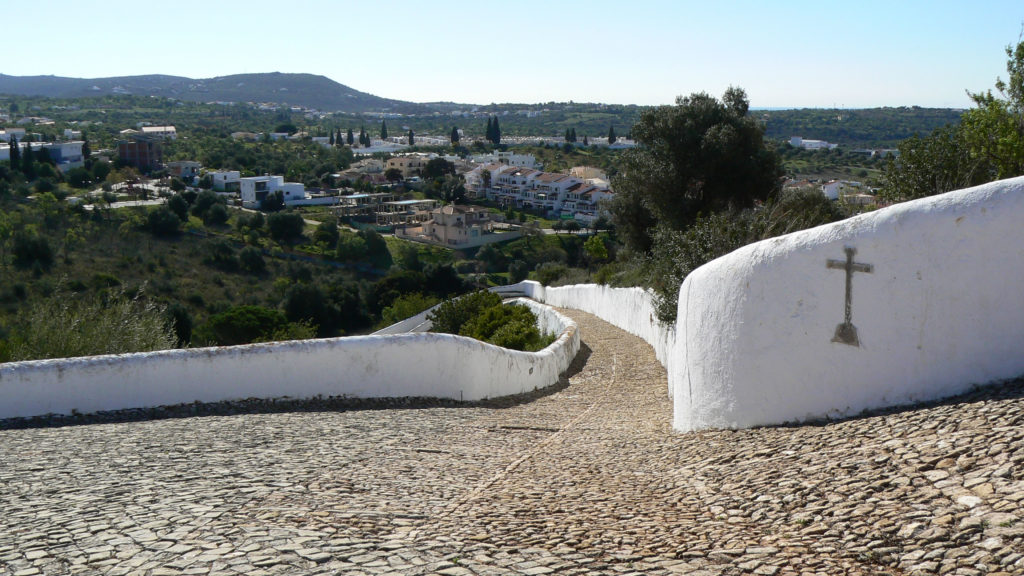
[784,53]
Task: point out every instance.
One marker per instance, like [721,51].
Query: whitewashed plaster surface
[940,311]
[422,364]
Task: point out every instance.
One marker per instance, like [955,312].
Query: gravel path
[587,479]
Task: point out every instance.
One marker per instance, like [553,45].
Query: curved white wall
[631,309]
[422,364]
[939,312]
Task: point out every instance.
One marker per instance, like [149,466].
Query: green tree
[326,233]
[412,138]
[437,168]
[28,160]
[383,130]
[350,138]
[179,206]
[699,156]
[611,135]
[285,226]
[455,136]
[393,174]
[15,153]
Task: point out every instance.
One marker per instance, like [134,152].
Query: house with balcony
[256,189]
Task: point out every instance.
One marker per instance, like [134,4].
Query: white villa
[226,181]
[254,190]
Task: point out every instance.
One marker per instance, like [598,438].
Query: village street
[588,478]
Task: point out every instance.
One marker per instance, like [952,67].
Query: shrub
[407,306]
[285,226]
[66,326]
[482,315]
[163,222]
[452,314]
[246,324]
[216,215]
[31,250]
[250,259]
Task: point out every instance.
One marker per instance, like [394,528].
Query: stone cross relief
[846,333]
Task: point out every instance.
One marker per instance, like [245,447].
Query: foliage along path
[585,479]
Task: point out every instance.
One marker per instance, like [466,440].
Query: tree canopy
[699,156]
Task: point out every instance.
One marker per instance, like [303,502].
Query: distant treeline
[865,128]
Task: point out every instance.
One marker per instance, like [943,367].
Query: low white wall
[939,312]
[631,309]
[423,364]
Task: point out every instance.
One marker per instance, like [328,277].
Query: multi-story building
[143,152]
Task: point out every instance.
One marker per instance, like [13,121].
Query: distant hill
[307,90]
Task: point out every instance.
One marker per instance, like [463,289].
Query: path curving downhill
[587,479]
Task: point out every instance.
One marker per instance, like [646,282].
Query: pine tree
[383,130]
[351,139]
[611,135]
[364,140]
[489,134]
[572,135]
[412,138]
[455,135]
[585,141]
[497,132]
[331,140]
[15,154]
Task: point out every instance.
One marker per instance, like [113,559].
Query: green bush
[407,306]
[31,250]
[481,315]
[246,324]
[65,326]
[452,314]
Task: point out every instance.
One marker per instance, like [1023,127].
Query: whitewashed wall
[631,309]
[425,364]
[940,311]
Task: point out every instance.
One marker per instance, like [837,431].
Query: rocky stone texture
[586,479]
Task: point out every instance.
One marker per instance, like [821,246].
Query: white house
[798,142]
[226,181]
[7,133]
[256,189]
[167,132]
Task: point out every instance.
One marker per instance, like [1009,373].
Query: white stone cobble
[587,478]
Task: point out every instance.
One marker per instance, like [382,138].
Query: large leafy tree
[701,155]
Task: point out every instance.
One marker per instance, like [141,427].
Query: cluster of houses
[66,154]
[577,195]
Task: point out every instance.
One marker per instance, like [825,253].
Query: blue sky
[784,53]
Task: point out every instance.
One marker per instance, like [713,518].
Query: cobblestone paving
[589,479]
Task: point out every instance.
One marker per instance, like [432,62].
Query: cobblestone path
[588,479]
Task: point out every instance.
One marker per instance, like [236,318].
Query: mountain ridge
[296,89]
